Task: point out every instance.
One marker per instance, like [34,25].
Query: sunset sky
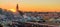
[32,5]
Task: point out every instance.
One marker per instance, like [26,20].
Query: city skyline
[32,5]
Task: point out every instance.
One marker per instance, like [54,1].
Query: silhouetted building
[20,12]
[0,10]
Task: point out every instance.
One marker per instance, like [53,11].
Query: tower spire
[17,8]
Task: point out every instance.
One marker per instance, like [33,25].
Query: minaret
[20,12]
[17,7]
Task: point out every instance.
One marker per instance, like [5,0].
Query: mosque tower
[17,8]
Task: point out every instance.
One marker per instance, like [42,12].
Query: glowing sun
[13,10]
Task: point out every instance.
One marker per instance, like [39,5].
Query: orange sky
[32,5]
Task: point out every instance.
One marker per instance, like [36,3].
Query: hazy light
[13,10]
